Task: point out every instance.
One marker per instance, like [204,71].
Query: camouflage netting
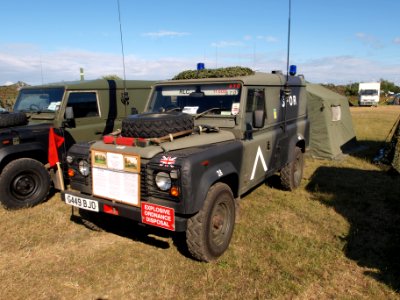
[215,73]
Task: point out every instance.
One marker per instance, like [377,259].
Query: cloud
[64,65]
[369,40]
[396,40]
[268,39]
[345,69]
[227,44]
[165,33]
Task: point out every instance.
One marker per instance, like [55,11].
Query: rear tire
[24,183]
[292,173]
[209,232]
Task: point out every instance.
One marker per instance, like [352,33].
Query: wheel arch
[297,141]
[33,150]
[230,177]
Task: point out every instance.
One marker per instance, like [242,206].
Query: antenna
[125,95]
[288,42]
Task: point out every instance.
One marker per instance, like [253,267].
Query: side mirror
[69,113]
[258,118]
[69,121]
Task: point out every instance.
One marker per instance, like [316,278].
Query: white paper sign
[116,185]
[115,161]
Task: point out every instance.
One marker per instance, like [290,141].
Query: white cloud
[396,40]
[165,33]
[345,69]
[268,39]
[369,40]
[226,44]
[64,65]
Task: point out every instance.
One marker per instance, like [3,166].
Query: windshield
[39,100]
[217,99]
[369,92]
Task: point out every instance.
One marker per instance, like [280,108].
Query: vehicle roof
[259,78]
[97,84]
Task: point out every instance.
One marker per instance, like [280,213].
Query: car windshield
[369,92]
[215,99]
[39,100]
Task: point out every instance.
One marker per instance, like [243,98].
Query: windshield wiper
[207,111]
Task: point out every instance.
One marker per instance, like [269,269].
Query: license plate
[82,202]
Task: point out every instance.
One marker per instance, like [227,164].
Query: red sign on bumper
[157,215]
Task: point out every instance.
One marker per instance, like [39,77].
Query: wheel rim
[220,224]
[24,185]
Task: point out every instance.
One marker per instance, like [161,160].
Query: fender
[34,149]
[223,172]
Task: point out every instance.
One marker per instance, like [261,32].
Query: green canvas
[331,125]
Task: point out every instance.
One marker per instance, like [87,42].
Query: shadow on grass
[367,149]
[132,230]
[370,201]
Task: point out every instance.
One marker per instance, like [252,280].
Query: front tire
[209,232]
[23,183]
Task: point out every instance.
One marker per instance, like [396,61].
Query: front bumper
[124,210]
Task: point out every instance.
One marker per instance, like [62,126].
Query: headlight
[84,167]
[163,181]
[70,159]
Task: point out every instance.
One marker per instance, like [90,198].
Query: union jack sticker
[167,161]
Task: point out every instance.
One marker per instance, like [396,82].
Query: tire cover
[154,125]
[12,119]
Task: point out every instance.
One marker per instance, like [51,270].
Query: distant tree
[388,86]
[111,77]
[351,89]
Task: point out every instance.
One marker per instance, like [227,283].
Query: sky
[337,41]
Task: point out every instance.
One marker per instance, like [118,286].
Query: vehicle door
[259,143]
[88,122]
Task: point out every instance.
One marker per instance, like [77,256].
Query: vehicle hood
[194,140]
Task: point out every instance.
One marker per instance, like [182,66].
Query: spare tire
[154,125]
[8,119]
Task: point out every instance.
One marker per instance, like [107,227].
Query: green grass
[337,236]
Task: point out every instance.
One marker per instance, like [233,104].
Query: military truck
[77,112]
[184,164]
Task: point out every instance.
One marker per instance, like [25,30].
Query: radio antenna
[288,43]
[125,95]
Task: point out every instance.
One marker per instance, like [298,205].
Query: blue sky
[338,41]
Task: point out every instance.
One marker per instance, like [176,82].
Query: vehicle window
[255,101]
[39,99]
[84,104]
[216,99]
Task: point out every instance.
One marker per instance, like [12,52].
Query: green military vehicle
[76,111]
[185,163]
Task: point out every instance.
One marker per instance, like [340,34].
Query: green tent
[331,125]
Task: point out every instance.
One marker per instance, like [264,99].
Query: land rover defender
[201,144]
[77,112]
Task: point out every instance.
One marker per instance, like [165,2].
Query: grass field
[336,237]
